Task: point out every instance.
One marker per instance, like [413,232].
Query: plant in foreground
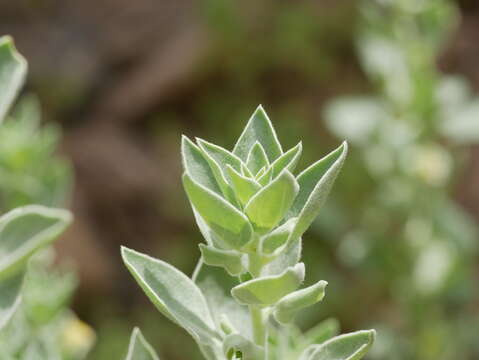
[252,212]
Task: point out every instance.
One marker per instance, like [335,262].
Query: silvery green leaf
[269,205]
[13,69]
[9,297]
[321,332]
[286,308]
[266,176]
[275,241]
[258,129]
[230,260]
[25,230]
[222,156]
[139,348]
[174,294]
[235,343]
[260,173]
[245,171]
[352,346]
[286,258]
[268,290]
[257,159]
[196,165]
[228,223]
[315,183]
[288,160]
[216,286]
[243,187]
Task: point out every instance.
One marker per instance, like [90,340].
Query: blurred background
[120,81]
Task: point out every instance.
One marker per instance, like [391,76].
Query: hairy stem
[258,323]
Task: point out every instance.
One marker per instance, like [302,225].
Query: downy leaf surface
[173,293]
[258,129]
[139,348]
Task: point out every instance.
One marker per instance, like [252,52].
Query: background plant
[413,239]
[35,321]
[252,212]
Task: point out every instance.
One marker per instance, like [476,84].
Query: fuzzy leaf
[276,239]
[257,159]
[352,346]
[321,332]
[288,160]
[269,289]
[174,294]
[315,184]
[243,187]
[25,230]
[286,308]
[227,222]
[222,156]
[13,69]
[196,165]
[286,258]
[139,348]
[9,297]
[269,205]
[228,259]
[258,129]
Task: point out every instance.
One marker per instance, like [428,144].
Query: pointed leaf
[257,159]
[25,230]
[286,308]
[196,165]
[321,332]
[243,187]
[352,346]
[13,69]
[139,349]
[222,156]
[9,297]
[227,222]
[269,289]
[315,184]
[276,239]
[266,177]
[269,205]
[228,259]
[288,160]
[259,129]
[174,294]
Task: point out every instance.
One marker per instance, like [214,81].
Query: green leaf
[25,230]
[352,346]
[13,69]
[275,241]
[243,187]
[269,205]
[227,222]
[139,348]
[174,294]
[257,159]
[321,332]
[222,156]
[258,129]
[269,289]
[287,308]
[288,160]
[315,183]
[196,165]
[286,258]
[228,259]
[266,177]
[235,343]
[9,297]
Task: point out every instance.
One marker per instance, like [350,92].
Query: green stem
[257,321]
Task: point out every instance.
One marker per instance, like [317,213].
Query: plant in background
[35,322]
[252,212]
[408,136]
